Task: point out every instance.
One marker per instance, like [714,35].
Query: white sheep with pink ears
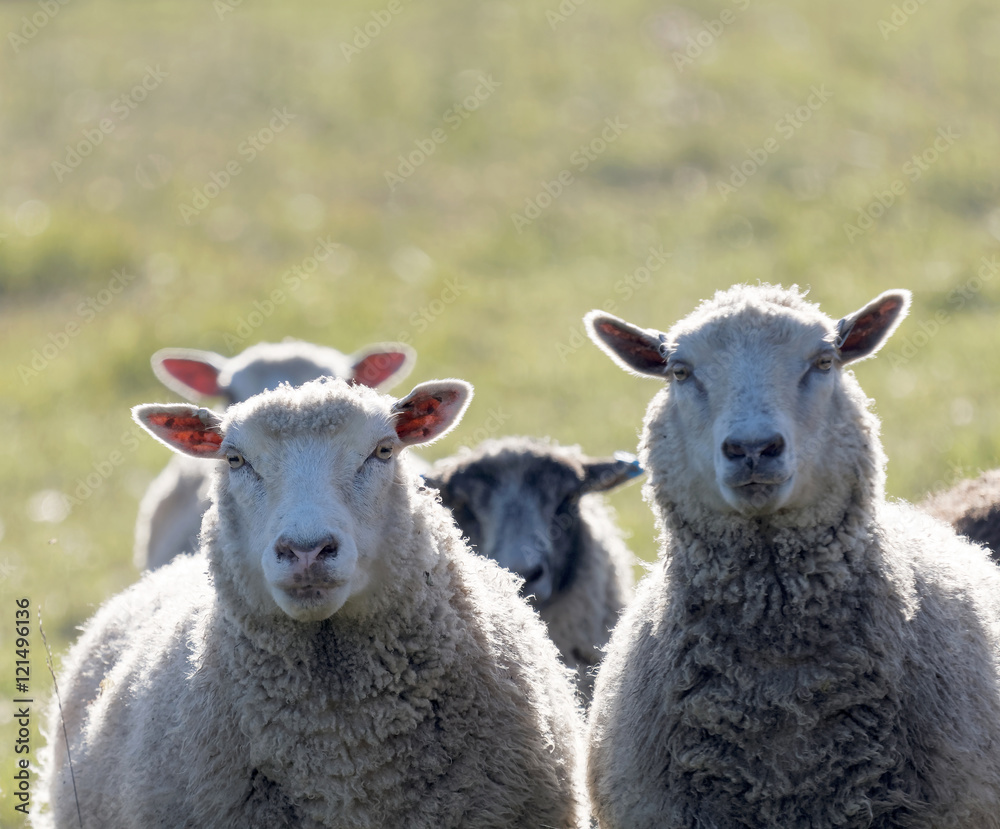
[171,509]
[334,657]
[807,655]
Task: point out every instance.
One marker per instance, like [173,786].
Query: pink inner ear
[421,417]
[374,369]
[871,324]
[634,345]
[201,377]
[188,432]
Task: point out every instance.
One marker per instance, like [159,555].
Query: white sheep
[806,654]
[171,509]
[533,507]
[336,657]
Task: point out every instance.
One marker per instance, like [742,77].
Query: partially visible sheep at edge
[533,507]
[807,655]
[972,507]
[171,509]
[335,656]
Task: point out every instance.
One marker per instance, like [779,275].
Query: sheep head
[309,491]
[517,500]
[755,404]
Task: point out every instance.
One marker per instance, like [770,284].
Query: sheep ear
[635,349]
[192,374]
[864,332]
[607,473]
[186,429]
[377,365]
[430,410]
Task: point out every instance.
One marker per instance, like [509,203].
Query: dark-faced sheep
[534,507]
[807,655]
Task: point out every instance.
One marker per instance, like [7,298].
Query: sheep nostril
[329,550]
[753,450]
[533,575]
[733,450]
[285,552]
[774,448]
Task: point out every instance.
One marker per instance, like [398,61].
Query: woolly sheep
[335,657]
[972,507]
[805,654]
[171,509]
[532,506]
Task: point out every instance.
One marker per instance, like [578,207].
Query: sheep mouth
[757,479]
[309,593]
[758,495]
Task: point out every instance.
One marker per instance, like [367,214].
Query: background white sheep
[171,509]
[337,658]
[806,654]
[534,507]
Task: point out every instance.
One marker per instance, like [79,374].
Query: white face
[312,510]
[750,411]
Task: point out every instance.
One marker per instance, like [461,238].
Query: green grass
[514,329]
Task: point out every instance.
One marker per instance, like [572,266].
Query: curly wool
[436,701]
[835,667]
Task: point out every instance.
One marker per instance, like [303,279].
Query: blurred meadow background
[477,175]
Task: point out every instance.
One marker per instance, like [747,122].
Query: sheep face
[517,501]
[311,512]
[754,404]
[310,483]
[755,409]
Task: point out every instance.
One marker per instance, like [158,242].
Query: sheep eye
[383,451]
[680,373]
[235,460]
[824,363]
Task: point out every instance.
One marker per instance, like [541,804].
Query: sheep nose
[304,553]
[751,451]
